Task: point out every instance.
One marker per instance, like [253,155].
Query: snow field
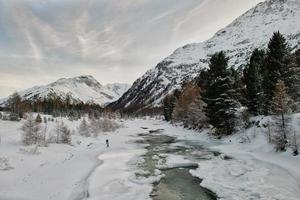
[89,170]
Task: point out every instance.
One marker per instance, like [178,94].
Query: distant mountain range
[251,30]
[82,88]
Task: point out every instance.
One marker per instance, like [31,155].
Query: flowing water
[177,183]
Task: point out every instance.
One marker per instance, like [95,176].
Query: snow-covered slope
[81,88]
[251,30]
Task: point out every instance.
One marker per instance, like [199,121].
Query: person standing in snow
[107,143]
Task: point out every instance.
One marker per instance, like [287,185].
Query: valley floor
[88,170]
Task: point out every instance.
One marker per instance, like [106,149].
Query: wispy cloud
[111,39]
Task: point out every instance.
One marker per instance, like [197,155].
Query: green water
[177,183]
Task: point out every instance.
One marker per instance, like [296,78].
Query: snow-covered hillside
[251,30]
[81,88]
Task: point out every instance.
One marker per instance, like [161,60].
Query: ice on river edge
[255,172]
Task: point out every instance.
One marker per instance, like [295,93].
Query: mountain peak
[83,88]
[251,30]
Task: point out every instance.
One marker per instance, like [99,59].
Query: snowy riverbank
[88,169]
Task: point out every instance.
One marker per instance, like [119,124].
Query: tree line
[221,96]
[52,104]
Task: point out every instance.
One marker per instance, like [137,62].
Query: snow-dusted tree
[43,134]
[276,67]
[38,119]
[45,119]
[84,129]
[169,103]
[31,130]
[63,134]
[108,125]
[196,118]
[219,95]
[294,77]
[253,82]
[58,130]
[95,127]
[281,106]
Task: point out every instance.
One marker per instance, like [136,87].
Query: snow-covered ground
[89,170]
[254,170]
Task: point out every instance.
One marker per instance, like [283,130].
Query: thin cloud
[115,41]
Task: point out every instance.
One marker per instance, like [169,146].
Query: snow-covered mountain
[81,88]
[251,30]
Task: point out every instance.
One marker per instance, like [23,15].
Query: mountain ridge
[251,30]
[84,88]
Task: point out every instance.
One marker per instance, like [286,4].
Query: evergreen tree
[276,67]
[219,95]
[237,77]
[253,82]
[294,87]
[38,119]
[169,104]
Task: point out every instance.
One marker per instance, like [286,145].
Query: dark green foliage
[276,67]
[38,119]
[52,104]
[253,82]
[219,95]
[266,69]
[294,77]
[169,104]
[203,79]
[238,84]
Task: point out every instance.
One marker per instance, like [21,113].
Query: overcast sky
[113,40]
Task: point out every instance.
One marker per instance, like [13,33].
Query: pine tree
[38,119]
[253,82]
[238,85]
[294,77]
[276,67]
[169,104]
[219,96]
